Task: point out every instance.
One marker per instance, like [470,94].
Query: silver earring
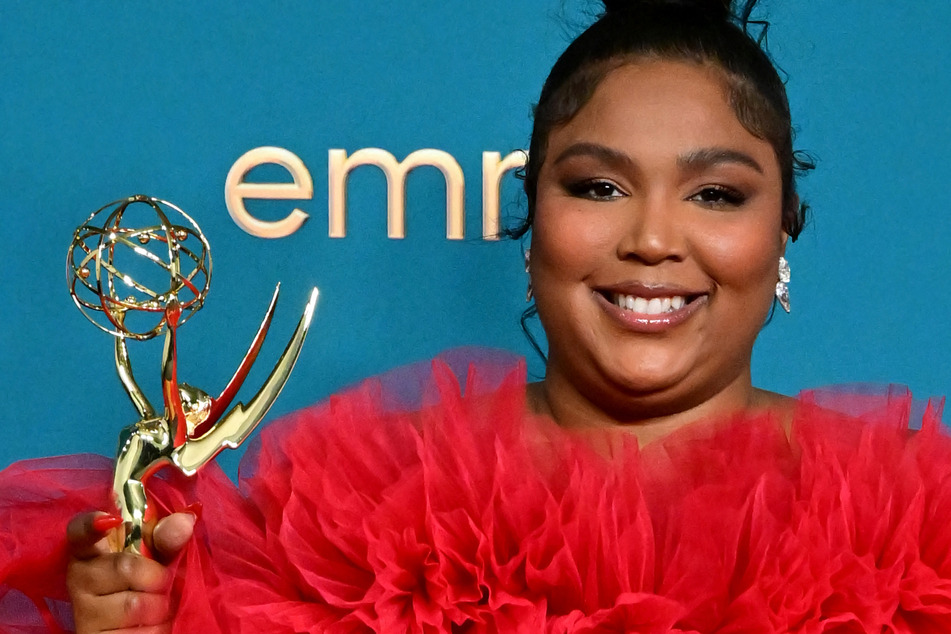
[529,293]
[782,286]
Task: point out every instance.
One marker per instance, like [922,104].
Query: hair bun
[720,9]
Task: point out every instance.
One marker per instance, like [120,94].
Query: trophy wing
[235,426]
[227,395]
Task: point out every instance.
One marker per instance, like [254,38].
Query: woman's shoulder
[854,418]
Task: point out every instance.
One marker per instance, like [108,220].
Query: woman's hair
[701,31]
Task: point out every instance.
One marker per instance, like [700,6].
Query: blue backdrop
[102,100]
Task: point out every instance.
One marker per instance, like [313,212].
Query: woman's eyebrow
[598,151]
[698,160]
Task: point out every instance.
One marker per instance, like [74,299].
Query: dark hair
[703,31]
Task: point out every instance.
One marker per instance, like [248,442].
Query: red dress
[409,504]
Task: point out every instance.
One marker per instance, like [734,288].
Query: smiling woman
[644,484]
[655,195]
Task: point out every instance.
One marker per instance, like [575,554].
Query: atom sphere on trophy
[130,259]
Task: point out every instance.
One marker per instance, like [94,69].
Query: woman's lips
[654,314]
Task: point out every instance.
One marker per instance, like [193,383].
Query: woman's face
[656,241]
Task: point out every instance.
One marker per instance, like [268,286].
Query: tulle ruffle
[423,502]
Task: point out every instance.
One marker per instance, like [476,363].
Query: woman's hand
[122,592]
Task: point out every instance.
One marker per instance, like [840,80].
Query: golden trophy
[170,253]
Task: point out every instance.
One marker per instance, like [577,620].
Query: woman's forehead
[660,106]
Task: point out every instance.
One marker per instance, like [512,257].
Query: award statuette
[164,284]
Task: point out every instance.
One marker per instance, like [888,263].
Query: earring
[782,286]
[529,293]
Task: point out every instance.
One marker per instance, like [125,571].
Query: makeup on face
[657,234]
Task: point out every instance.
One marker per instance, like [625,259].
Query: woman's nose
[653,230]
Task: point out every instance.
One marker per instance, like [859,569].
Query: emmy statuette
[192,427]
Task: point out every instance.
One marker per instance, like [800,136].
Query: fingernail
[194,509]
[105,523]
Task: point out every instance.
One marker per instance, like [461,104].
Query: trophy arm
[124,368]
[174,412]
[235,426]
[227,395]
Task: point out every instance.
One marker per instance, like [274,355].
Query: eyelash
[586,189]
[724,197]
[712,196]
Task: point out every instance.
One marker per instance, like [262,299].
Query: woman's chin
[642,388]
[648,371]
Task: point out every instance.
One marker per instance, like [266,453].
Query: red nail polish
[194,509]
[105,523]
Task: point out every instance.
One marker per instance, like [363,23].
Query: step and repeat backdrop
[290,133]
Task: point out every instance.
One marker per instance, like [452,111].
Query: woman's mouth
[648,305]
[651,312]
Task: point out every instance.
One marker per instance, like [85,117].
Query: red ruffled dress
[430,501]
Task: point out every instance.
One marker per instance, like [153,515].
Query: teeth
[653,306]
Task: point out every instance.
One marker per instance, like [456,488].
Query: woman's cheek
[740,254]
[572,240]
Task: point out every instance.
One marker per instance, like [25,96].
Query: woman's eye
[595,190]
[718,197]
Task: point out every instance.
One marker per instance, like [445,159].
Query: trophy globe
[131,260]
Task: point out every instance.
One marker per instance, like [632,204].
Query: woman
[649,486]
